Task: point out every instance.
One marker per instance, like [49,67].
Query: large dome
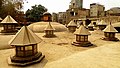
[115,9]
[116,24]
[40,26]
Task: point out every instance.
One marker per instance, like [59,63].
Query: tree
[0,3]
[35,13]
[10,7]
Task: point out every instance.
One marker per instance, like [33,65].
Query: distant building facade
[62,17]
[112,15]
[112,19]
[76,4]
[97,10]
[76,11]
[54,17]
[115,11]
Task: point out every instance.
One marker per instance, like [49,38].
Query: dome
[115,9]
[40,26]
[46,13]
[116,24]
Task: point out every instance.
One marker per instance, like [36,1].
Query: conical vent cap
[49,27]
[8,19]
[82,31]
[91,25]
[110,28]
[24,37]
[102,22]
[72,23]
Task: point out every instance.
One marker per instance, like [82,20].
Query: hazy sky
[63,5]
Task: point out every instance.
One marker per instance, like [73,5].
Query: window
[51,32]
[91,13]
[82,38]
[35,46]
[73,4]
[28,51]
[78,38]
[86,38]
[76,13]
[20,51]
[28,48]
[112,35]
[5,27]
[91,7]
[20,48]
[72,13]
[107,34]
[35,49]
[46,32]
[9,26]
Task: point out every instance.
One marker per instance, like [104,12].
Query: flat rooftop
[59,52]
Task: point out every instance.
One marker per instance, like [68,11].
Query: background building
[76,11]
[76,4]
[54,17]
[115,11]
[97,10]
[62,17]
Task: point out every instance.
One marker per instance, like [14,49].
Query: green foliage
[35,13]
